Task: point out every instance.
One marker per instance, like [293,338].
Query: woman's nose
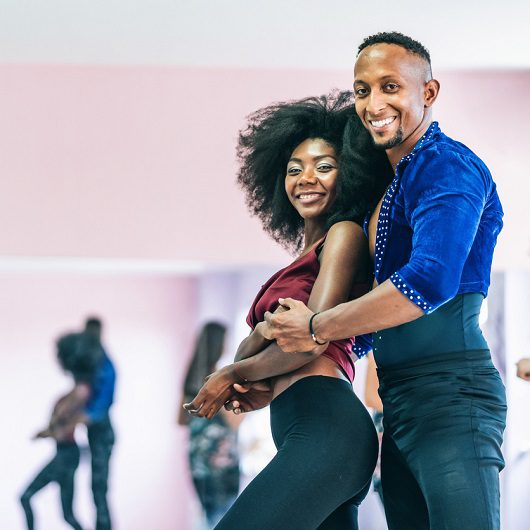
[307,176]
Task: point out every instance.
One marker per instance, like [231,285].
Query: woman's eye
[293,170]
[325,167]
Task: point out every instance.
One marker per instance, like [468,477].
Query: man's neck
[407,145]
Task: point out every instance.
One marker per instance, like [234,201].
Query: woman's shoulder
[344,231]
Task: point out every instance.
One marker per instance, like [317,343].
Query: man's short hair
[394,37]
[93,326]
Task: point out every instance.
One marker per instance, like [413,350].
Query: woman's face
[311,177]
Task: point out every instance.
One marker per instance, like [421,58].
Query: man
[431,238]
[99,427]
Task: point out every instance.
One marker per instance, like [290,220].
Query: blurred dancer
[77,354]
[213,451]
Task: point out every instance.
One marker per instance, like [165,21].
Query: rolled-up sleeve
[444,199]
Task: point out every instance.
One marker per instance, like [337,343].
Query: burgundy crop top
[296,281]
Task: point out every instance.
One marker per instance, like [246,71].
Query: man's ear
[430,92]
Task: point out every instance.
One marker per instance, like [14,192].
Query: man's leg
[457,463]
[404,503]
[447,427]
[101,441]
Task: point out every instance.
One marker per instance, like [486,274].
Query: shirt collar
[425,140]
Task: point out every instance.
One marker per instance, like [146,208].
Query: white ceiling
[472,34]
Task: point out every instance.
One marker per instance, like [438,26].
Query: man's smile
[379,124]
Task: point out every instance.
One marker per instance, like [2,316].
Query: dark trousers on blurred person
[60,469]
[101,442]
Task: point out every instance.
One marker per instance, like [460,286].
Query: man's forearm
[382,308]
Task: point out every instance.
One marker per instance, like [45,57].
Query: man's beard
[393,142]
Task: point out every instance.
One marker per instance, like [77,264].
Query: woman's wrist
[237,374]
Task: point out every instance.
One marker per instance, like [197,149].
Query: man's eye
[391,86]
[360,92]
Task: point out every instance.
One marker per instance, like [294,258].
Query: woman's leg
[69,464]
[49,473]
[327,450]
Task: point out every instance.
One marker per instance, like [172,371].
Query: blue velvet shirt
[97,407]
[438,223]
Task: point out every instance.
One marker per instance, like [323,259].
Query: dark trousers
[60,469]
[444,419]
[101,442]
[327,450]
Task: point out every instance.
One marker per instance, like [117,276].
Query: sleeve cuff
[414,296]
[362,346]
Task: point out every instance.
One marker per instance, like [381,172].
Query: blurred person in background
[78,354]
[523,369]
[373,402]
[310,175]
[213,449]
[99,427]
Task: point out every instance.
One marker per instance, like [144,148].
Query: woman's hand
[45,433]
[215,392]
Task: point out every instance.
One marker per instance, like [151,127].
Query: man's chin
[389,143]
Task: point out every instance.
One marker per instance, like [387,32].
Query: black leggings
[60,469]
[327,450]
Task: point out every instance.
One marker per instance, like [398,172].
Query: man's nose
[376,102]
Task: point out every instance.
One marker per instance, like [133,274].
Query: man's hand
[215,392]
[250,396]
[523,369]
[291,328]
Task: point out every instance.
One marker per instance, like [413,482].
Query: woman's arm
[343,260]
[252,344]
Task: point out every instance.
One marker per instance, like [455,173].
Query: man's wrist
[314,330]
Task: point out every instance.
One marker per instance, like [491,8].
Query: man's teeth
[382,123]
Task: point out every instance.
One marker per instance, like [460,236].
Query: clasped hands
[290,328]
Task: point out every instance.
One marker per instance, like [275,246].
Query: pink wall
[139,161]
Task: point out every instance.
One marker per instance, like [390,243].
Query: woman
[327,446]
[77,354]
[213,456]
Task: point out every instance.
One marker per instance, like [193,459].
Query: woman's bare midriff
[320,366]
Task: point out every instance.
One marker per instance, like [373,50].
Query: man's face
[390,95]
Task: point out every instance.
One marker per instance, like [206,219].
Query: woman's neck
[313,232]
